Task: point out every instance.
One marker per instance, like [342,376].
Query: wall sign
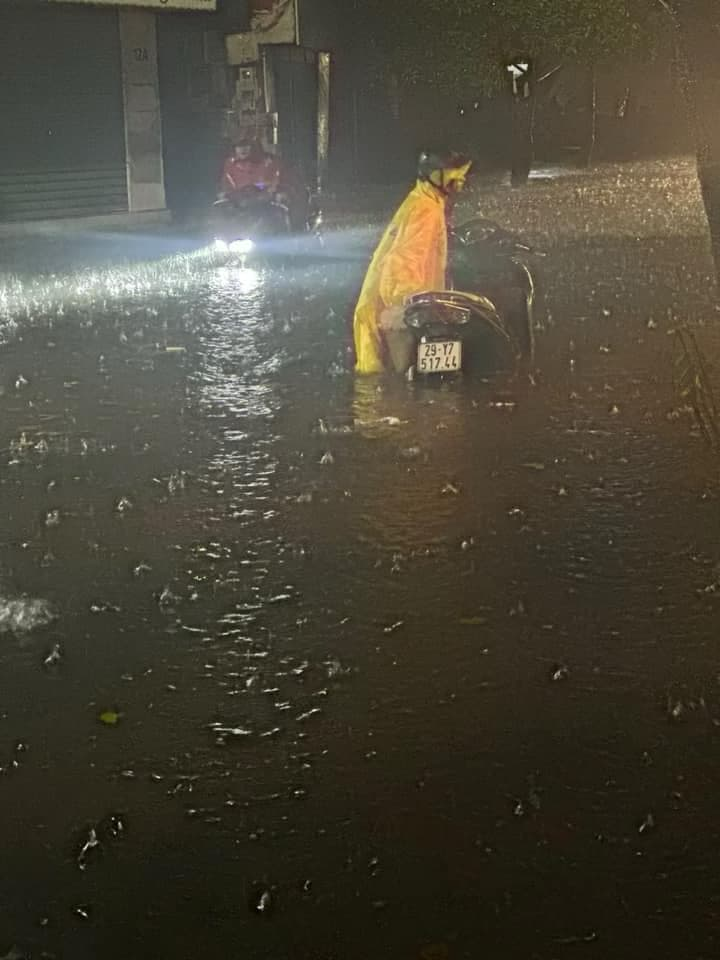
[274,21]
[206,5]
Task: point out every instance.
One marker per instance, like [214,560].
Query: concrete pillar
[141,94]
[323,120]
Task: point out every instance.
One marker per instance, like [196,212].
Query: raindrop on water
[261,902]
[116,826]
[52,518]
[648,824]
[176,482]
[451,488]
[91,844]
[167,598]
[559,672]
[53,658]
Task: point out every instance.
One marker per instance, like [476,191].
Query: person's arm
[227,180]
[272,174]
[405,270]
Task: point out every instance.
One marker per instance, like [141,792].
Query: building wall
[143,129]
[82,110]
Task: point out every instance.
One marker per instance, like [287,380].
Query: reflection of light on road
[236,377]
[244,280]
[32,296]
[553,173]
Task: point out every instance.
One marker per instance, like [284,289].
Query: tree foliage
[461,44]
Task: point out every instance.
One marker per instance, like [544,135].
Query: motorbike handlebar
[481,231]
[526,248]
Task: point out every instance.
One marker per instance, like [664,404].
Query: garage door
[61,113]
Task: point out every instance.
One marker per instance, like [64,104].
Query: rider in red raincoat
[249,167]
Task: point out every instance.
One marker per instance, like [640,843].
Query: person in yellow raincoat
[411,257]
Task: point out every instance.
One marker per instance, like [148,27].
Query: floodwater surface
[294,665]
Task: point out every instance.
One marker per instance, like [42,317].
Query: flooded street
[294,665]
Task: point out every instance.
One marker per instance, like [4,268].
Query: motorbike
[250,223]
[490,324]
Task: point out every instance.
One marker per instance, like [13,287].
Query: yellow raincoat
[410,258]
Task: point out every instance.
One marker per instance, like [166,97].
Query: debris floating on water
[110,718]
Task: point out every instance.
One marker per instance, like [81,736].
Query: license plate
[439,356]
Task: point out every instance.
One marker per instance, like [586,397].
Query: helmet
[446,171]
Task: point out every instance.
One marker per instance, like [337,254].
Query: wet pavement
[296,666]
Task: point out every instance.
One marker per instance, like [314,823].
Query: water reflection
[236,279]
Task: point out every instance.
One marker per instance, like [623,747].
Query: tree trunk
[697,36]
[592,118]
[522,139]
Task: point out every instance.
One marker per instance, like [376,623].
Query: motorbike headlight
[221,246]
[242,247]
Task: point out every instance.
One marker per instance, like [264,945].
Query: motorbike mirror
[414,317]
